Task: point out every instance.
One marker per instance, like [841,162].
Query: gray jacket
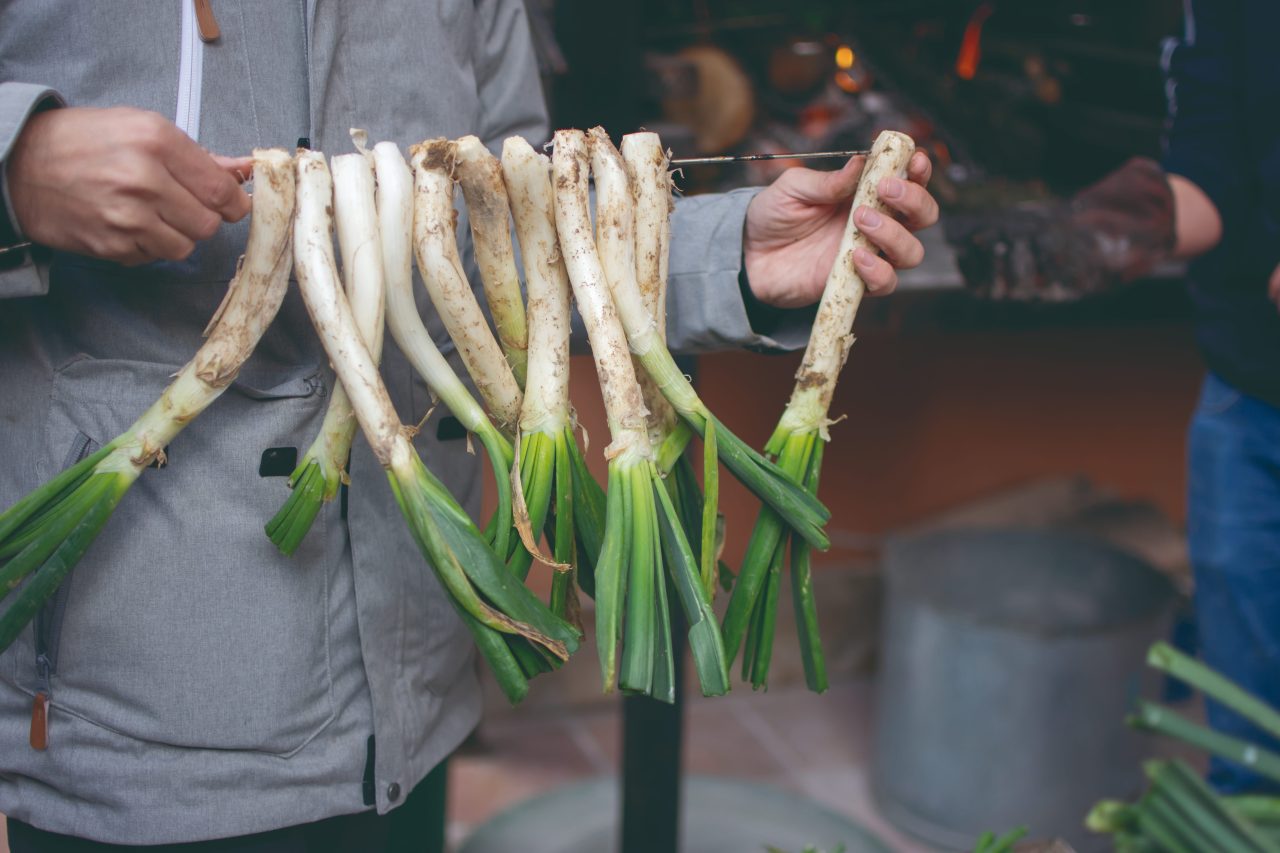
[203,685]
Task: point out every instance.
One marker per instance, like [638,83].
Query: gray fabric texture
[18,101]
[206,686]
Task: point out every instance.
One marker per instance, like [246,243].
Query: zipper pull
[40,722]
[206,22]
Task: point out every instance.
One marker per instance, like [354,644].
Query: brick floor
[814,745]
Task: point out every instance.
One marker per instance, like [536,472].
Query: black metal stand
[652,740]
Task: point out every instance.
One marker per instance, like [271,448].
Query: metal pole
[652,735]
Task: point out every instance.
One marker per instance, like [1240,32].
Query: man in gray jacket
[201,686]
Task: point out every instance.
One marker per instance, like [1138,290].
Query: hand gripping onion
[48,531]
[797,444]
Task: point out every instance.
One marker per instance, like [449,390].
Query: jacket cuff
[707,296]
[20,275]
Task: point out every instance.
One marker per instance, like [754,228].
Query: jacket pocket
[184,626]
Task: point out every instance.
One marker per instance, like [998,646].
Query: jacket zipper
[306,9]
[48,628]
[191,67]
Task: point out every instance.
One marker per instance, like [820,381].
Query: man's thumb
[815,187]
[240,168]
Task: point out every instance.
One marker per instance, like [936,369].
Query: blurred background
[1047,405]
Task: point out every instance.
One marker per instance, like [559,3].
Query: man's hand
[1273,287]
[1113,232]
[121,184]
[794,227]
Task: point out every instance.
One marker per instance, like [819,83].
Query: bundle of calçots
[798,443]
[1179,811]
[646,543]
[644,537]
[511,627]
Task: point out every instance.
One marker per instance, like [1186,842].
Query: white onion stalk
[480,175]
[641,525]
[798,443]
[395,215]
[646,164]
[437,251]
[801,510]
[550,479]
[499,610]
[647,170]
[323,468]
[46,533]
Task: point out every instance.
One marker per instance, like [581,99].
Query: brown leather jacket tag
[205,20]
[40,722]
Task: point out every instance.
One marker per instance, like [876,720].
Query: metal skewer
[745,158]
[685,161]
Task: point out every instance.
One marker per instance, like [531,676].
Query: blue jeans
[1233,520]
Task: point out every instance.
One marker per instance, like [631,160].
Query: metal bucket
[1009,661]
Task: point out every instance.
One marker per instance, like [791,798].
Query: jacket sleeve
[1205,116]
[707,296]
[18,101]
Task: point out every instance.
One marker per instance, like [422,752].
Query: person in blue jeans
[1215,201]
[1223,161]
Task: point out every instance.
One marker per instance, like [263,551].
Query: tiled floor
[815,745]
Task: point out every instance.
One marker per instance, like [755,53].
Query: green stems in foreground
[800,510]
[315,481]
[1166,658]
[516,633]
[1178,812]
[752,612]
[590,507]
[989,842]
[1151,717]
[547,500]
[46,533]
[644,532]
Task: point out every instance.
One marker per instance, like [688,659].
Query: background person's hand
[1111,233]
[121,184]
[1273,287]
[794,227]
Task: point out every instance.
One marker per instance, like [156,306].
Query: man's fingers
[203,177]
[181,211]
[814,187]
[918,208]
[163,242]
[240,168]
[876,273]
[899,245]
[920,168]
